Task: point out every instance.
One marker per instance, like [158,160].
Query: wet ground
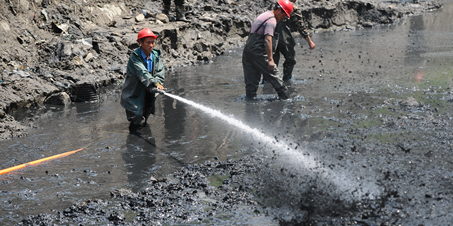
[369,112]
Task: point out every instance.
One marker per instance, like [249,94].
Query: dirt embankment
[57,51]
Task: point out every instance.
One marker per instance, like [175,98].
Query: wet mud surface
[365,139]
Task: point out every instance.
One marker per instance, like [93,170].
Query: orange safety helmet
[287,6]
[145,32]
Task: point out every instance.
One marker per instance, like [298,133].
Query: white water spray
[352,189]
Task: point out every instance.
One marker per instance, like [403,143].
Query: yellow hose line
[7,170]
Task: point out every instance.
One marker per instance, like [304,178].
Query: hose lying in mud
[7,170]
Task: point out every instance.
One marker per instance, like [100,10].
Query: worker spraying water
[145,71]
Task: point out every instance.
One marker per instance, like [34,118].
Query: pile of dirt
[52,48]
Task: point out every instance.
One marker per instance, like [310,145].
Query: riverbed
[373,104]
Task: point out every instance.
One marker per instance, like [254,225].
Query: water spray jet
[349,189]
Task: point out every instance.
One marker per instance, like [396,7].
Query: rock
[140,17]
[61,98]
[174,53]
[120,193]
[112,24]
[409,102]
[162,17]
[89,57]
[77,61]
[205,56]
[5,26]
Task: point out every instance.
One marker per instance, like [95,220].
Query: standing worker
[145,71]
[257,57]
[180,9]
[286,41]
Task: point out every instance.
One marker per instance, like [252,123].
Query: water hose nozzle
[155,90]
[165,90]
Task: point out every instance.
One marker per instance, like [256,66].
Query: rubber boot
[282,93]
[180,13]
[287,77]
[287,72]
[167,9]
[134,128]
[250,96]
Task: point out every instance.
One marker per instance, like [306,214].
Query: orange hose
[7,170]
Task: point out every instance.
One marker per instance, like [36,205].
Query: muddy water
[348,70]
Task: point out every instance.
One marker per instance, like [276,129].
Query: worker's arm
[297,21]
[268,46]
[310,42]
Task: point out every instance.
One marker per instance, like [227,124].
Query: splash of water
[353,189]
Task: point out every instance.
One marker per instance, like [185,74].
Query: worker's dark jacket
[138,79]
[296,22]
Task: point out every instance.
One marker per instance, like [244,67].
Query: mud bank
[53,50]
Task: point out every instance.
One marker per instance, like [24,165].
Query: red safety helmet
[145,32]
[287,6]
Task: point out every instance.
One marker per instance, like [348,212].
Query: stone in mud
[120,193]
[117,217]
[77,61]
[409,102]
[162,17]
[205,56]
[89,57]
[404,147]
[140,17]
[174,53]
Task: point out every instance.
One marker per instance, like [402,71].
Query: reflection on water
[419,46]
[175,119]
[139,157]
